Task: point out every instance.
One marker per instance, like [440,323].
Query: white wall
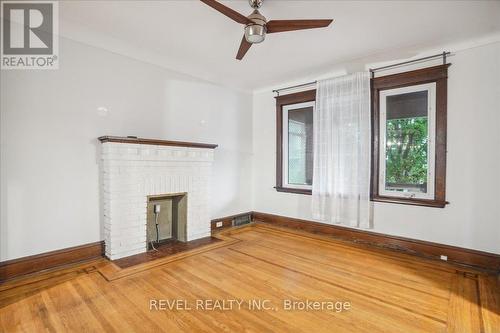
[49,148]
[472,219]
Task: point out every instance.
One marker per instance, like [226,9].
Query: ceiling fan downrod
[255,4]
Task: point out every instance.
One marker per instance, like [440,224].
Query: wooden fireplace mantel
[156,142]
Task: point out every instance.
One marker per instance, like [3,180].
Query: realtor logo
[29,35]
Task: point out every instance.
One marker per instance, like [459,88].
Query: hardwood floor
[387,291]
[163,250]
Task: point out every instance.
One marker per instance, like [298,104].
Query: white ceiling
[190,37]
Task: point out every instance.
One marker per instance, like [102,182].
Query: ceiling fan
[256,25]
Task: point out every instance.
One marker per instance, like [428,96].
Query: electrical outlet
[443,257]
[218,224]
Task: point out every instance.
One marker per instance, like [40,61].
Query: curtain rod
[443,54]
[373,70]
[296,86]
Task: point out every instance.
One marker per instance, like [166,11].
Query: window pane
[407,142]
[300,146]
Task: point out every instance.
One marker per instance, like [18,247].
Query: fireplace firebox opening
[166,219]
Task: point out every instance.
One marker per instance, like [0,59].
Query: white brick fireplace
[133,169]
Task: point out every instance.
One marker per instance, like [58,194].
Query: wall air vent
[242,220]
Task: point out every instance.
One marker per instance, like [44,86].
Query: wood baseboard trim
[458,255]
[27,265]
[227,221]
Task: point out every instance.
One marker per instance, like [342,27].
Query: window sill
[410,201]
[293,190]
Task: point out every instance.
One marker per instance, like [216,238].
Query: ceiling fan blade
[244,46]
[227,11]
[290,25]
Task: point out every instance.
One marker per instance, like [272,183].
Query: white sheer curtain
[341,179]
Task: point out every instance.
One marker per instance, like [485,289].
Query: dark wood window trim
[439,75]
[299,97]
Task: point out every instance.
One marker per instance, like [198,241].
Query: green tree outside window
[406,152]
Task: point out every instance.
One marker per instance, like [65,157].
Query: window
[297,145]
[409,137]
[406,141]
[295,142]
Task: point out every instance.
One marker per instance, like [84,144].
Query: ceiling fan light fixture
[255,33]
[256,25]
